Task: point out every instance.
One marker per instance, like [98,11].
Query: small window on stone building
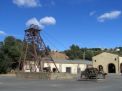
[100,68]
[68,69]
[95,60]
[115,59]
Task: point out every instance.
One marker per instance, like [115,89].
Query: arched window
[100,68]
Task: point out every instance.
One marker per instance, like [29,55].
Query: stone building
[62,63]
[108,62]
[69,66]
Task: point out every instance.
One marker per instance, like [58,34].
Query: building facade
[62,63]
[69,66]
[108,62]
[64,66]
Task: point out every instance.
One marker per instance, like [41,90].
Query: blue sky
[87,23]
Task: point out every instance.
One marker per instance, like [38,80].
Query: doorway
[111,68]
[121,68]
[68,69]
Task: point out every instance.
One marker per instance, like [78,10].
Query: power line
[58,42]
[49,41]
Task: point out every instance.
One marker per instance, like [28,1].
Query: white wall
[62,67]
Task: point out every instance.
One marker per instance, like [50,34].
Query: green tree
[10,52]
[74,52]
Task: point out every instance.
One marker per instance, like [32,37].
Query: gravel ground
[111,83]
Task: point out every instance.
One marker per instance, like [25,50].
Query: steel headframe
[35,51]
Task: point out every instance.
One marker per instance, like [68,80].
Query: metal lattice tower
[35,52]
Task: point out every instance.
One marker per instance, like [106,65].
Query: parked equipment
[92,73]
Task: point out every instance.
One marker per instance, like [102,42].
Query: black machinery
[92,73]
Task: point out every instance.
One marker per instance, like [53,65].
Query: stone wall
[47,76]
[62,76]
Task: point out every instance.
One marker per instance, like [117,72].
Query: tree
[1,44]
[74,52]
[4,64]
[10,53]
[89,54]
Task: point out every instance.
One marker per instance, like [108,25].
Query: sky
[87,23]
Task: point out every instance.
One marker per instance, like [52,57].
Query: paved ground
[112,83]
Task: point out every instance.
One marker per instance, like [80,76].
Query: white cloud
[42,23]
[48,21]
[109,16]
[2,33]
[92,13]
[27,3]
[33,21]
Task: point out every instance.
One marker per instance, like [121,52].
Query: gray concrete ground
[112,83]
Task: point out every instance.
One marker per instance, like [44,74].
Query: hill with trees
[11,49]
[75,52]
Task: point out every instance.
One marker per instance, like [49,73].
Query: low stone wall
[42,75]
[62,76]
[9,75]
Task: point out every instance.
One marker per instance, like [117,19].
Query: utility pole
[84,54]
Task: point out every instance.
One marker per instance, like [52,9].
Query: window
[95,60]
[68,69]
[100,68]
[78,70]
[54,70]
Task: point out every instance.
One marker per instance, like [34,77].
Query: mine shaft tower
[35,52]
